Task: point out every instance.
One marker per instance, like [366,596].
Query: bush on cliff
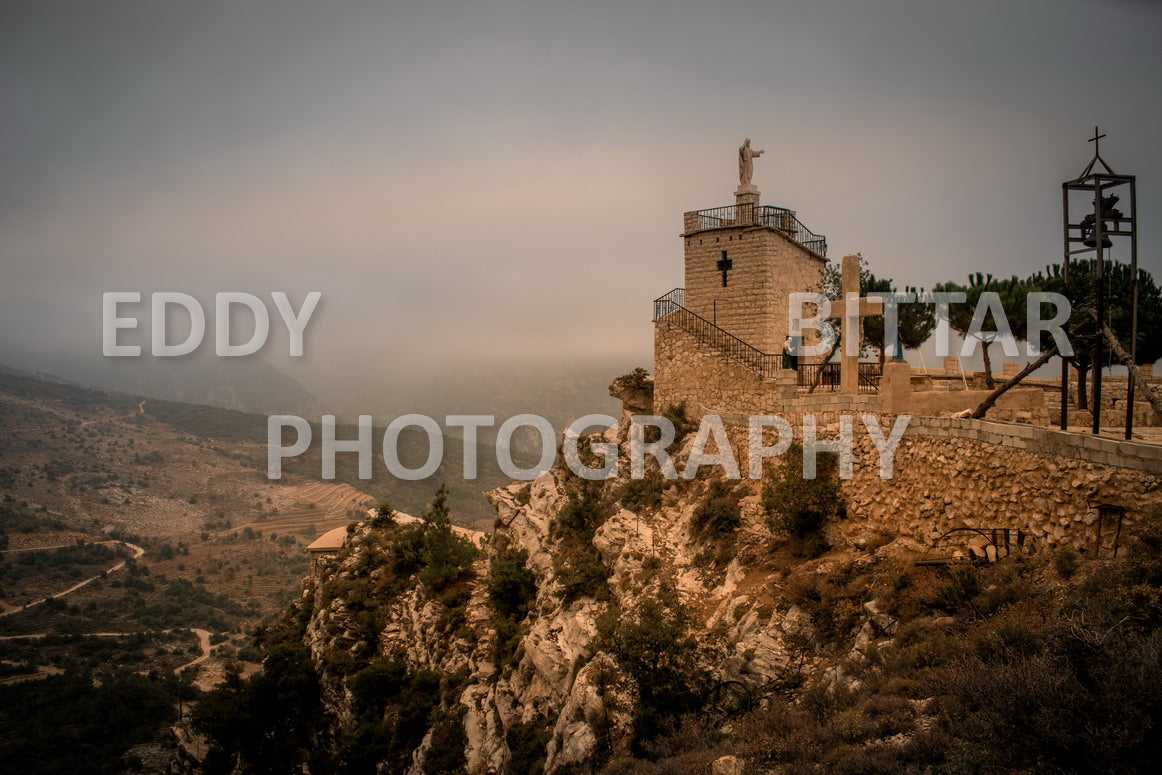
[798,507]
[511,589]
[654,647]
[645,493]
[719,513]
[581,574]
[447,557]
[577,564]
[511,585]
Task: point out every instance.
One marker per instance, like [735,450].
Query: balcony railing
[757,215]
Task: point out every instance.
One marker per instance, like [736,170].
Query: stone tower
[742,263]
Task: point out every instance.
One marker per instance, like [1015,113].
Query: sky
[476,184]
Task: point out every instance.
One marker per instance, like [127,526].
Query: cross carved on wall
[725,264]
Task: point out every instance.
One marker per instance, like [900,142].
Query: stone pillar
[952,364]
[746,195]
[896,387]
[746,201]
[1010,369]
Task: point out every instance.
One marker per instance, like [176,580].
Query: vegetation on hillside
[800,508]
[1002,668]
[83,722]
[580,571]
[271,722]
[512,587]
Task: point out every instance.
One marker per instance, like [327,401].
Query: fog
[490,189]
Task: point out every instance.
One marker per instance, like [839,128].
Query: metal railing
[757,215]
[869,376]
[672,308]
[829,380]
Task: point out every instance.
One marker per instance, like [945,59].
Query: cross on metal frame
[1096,140]
[855,307]
[725,264]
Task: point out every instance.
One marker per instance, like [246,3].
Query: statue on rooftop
[746,156]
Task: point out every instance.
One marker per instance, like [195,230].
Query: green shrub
[445,754]
[799,508]
[447,557]
[1065,563]
[638,379]
[653,646]
[405,553]
[581,573]
[384,515]
[511,585]
[957,588]
[645,493]
[375,684]
[511,588]
[719,513]
[527,743]
[584,511]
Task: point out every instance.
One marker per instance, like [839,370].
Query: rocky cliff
[715,626]
[592,549]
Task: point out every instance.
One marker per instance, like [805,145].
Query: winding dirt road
[137,552]
[203,644]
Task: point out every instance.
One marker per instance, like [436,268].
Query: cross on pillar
[725,264]
[854,309]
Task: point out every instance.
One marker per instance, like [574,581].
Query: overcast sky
[505,180]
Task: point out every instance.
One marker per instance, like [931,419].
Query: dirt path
[137,552]
[202,635]
[203,643]
[140,410]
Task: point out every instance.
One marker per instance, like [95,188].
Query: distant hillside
[469,507]
[244,384]
[245,435]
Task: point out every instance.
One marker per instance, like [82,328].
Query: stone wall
[766,267]
[709,383]
[952,473]
[949,472]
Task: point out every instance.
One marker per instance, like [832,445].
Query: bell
[1091,242]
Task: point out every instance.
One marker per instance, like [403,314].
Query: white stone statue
[746,156]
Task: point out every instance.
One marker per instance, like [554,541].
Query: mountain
[248,384]
[30,399]
[702,626]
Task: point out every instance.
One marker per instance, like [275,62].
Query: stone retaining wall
[953,473]
[949,472]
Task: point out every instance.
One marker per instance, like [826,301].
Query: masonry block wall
[949,472]
[952,473]
[766,267]
[708,382]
